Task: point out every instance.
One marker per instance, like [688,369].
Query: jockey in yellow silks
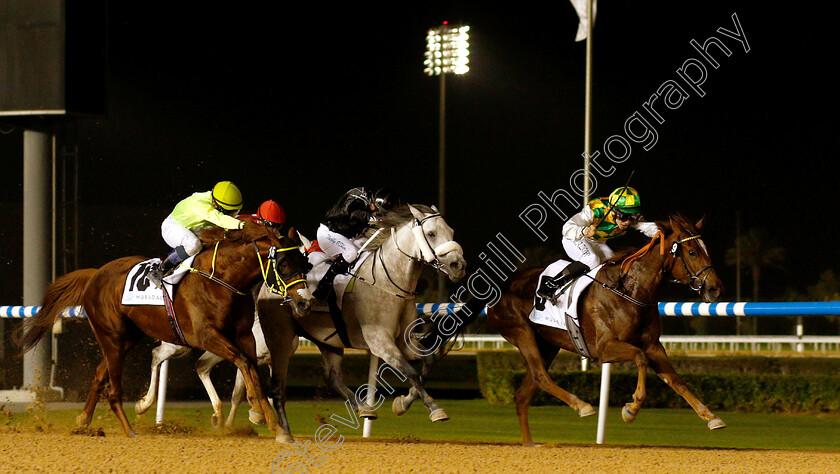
[585,234]
[200,210]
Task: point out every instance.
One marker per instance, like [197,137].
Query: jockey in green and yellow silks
[585,234]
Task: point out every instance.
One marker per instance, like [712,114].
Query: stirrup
[155,275]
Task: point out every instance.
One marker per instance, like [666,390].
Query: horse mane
[664,227]
[392,219]
[252,231]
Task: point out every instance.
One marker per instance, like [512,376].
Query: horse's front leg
[619,351]
[382,345]
[203,366]
[161,353]
[662,366]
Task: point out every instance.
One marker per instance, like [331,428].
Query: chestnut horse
[618,318]
[215,311]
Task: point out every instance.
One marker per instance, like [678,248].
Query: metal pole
[163,378]
[371,393]
[36,245]
[588,105]
[441,284]
[603,403]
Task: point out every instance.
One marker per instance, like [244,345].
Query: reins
[429,257]
[283,287]
[675,251]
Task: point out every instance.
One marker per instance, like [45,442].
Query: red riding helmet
[271,213]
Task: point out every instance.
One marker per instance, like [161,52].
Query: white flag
[580,8]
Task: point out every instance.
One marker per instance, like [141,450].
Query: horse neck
[240,266]
[645,276]
[402,270]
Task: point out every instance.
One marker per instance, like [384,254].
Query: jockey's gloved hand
[590,231]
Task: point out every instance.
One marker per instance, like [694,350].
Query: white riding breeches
[333,243]
[587,251]
[174,234]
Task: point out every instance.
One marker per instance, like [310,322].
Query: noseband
[429,254]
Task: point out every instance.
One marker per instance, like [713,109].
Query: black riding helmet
[385,199]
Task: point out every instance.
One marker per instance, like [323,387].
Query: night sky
[299,104]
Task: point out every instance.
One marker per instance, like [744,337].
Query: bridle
[428,256]
[273,260]
[694,277]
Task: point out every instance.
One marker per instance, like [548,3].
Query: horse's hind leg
[662,366]
[332,375]
[619,351]
[525,340]
[203,366]
[161,353]
[100,377]
[525,393]
[219,345]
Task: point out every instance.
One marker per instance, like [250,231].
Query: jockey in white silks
[200,210]
[585,235]
[339,235]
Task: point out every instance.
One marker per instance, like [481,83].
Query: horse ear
[292,234]
[434,208]
[675,228]
[699,224]
[416,213]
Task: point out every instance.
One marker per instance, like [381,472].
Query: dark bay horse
[214,315]
[615,328]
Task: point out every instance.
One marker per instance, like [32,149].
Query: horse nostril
[455,265]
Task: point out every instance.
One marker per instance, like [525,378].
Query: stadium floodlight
[447,50]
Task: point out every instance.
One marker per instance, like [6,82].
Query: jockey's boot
[338,266]
[160,271]
[550,285]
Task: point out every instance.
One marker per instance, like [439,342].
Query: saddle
[562,311]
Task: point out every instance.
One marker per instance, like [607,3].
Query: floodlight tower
[447,52]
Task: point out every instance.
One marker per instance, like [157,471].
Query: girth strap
[173,320]
[338,321]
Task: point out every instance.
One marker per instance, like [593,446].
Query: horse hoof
[131,434]
[82,420]
[627,415]
[586,411]
[398,407]
[284,438]
[716,424]
[370,415]
[256,417]
[438,415]
[216,420]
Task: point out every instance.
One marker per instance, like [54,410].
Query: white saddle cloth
[140,291]
[554,315]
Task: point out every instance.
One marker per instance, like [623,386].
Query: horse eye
[692,253]
[431,234]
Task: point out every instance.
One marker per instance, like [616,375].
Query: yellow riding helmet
[626,200]
[227,196]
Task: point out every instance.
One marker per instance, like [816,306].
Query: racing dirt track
[55,452]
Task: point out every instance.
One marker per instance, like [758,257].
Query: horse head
[688,260]
[434,241]
[282,266]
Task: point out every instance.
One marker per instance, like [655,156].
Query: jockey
[206,209]
[585,235]
[343,223]
[385,199]
[269,214]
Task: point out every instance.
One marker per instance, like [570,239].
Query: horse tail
[65,291]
